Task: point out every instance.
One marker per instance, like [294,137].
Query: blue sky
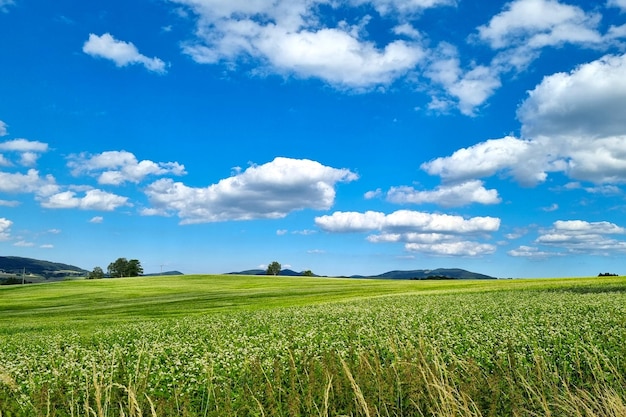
[345,137]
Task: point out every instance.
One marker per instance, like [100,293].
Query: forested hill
[17,265]
[441,273]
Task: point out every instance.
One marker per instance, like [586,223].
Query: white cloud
[579,118]
[3,126]
[47,246]
[540,23]
[96,219]
[531,252]
[272,190]
[574,123]
[431,234]
[617,3]
[518,34]
[587,101]
[9,203]
[120,52]
[91,200]
[407,30]
[24,244]
[404,6]
[405,221]
[316,251]
[288,37]
[30,182]
[119,167]
[487,158]
[29,150]
[373,194]
[463,248]
[552,207]
[23,145]
[465,89]
[29,159]
[5,228]
[579,236]
[448,195]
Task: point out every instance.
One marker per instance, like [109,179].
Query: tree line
[119,268]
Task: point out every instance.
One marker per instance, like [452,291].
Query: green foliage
[307,273]
[273,268]
[219,346]
[124,268]
[97,273]
[16,265]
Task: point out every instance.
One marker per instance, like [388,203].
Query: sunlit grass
[223,345]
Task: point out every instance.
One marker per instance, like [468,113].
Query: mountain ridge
[17,265]
[417,274]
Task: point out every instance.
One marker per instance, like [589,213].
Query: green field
[279,346]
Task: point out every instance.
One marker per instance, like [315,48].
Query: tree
[124,268]
[97,273]
[273,268]
[134,268]
[307,273]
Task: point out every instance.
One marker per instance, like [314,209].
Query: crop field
[265,346]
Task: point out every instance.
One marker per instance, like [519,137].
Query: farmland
[224,345]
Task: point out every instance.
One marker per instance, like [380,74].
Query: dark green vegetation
[228,345]
[442,273]
[123,267]
[14,266]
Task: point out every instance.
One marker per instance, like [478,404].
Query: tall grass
[532,352]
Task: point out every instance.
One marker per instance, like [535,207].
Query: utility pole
[23,273]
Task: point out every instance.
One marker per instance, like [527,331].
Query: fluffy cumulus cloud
[272,190]
[89,200]
[490,157]
[428,233]
[578,236]
[539,23]
[300,38]
[466,89]
[447,195]
[28,151]
[516,35]
[290,37]
[31,182]
[574,123]
[120,52]
[119,167]
[5,228]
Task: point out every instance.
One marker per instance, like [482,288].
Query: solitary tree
[97,273]
[307,273]
[125,268]
[273,268]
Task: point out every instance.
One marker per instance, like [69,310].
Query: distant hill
[161,274]
[440,273]
[283,272]
[17,265]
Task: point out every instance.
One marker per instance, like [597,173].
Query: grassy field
[229,345]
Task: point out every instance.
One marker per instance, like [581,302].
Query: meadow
[277,346]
